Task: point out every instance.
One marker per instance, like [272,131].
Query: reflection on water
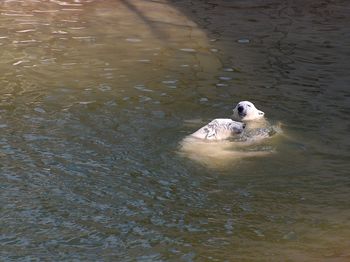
[94,101]
[221,154]
[259,139]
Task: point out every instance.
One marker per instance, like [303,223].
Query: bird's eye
[249,105]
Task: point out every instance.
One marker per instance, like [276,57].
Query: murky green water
[97,95]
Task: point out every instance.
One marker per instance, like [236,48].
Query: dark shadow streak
[158,33]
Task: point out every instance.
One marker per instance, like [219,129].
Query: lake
[96,97]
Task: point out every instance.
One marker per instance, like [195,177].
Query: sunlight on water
[97,98]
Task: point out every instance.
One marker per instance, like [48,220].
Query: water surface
[97,95]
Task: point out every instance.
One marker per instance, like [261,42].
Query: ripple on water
[104,87]
[144,60]
[189,50]
[143,88]
[48,61]
[26,31]
[86,102]
[243,41]
[46,11]
[17,14]
[60,32]
[86,39]
[39,110]
[133,40]
[35,137]
[221,85]
[143,99]
[170,82]
[20,62]
[225,78]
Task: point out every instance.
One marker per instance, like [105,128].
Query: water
[97,95]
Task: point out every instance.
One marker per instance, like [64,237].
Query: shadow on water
[96,96]
[151,24]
